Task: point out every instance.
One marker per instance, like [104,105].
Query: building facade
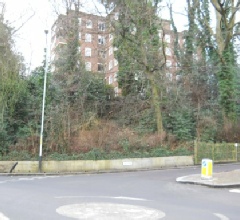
[96,44]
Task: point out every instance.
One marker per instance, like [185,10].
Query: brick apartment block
[96,44]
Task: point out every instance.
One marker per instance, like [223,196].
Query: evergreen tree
[140,53]
[12,86]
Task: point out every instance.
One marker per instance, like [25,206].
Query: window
[116,15]
[168,63]
[110,64]
[101,39]
[53,68]
[53,56]
[195,56]
[133,30]
[102,54]
[88,37]
[178,77]
[169,76]
[110,79]
[79,35]
[160,34]
[101,26]
[88,24]
[88,52]
[116,91]
[61,40]
[100,67]
[136,76]
[167,38]
[168,51]
[88,66]
[115,62]
[110,51]
[115,77]
[176,65]
[110,37]
[79,21]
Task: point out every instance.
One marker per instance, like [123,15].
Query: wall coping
[71,166]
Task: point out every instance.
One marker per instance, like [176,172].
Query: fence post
[236,147]
[195,152]
[213,148]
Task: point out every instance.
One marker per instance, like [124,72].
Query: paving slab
[218,180]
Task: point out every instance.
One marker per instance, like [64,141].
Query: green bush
[98,154]
[180,123]
[18,156]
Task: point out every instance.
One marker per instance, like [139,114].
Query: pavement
[218,180]
[225,179]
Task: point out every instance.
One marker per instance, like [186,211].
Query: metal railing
[218,152]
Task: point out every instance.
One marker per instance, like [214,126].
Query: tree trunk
[156,103]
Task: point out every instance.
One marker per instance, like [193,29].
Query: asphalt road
[128,195]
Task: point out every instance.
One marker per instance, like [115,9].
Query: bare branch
[16,30]
[216,5]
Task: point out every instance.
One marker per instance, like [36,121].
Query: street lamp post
[43,104]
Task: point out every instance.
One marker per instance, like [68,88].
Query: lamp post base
[40,164]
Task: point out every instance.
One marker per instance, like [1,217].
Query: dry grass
[107,135]
[29,144]
[230,132]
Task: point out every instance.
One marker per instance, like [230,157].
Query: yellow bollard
[207,166]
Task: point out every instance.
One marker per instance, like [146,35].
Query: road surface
[127,195]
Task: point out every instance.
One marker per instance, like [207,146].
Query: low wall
[96,165]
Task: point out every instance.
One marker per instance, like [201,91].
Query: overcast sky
[35,16]
[31,39]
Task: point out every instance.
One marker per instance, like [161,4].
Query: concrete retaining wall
[98,165]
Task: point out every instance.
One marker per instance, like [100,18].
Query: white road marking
[27,179]
[3,217]
[129,198]
[107,211]
[221,216]
[234,190]
[102,197]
